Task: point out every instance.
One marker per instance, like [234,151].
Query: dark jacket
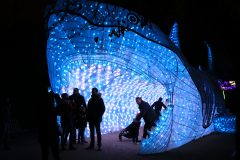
[157,106]
[95,108]
[78,99]
[80,105]
[147,112]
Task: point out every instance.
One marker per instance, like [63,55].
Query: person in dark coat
[80,115]
[157,106]
[95,111]
[67,122]
[148,115]
[48,128]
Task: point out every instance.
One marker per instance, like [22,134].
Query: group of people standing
[73,117]
[75,113]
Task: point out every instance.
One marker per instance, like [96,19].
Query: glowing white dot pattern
[118,90]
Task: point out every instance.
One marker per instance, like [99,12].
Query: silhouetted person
[157,106]
[132,130]
[64,120]
[148,115]
[135,130]
[95,111]
[6,120]
[48,128]
[67,121]
[80,121]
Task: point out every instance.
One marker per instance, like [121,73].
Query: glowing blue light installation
[93,44]
[174,35]
[160,137]
[225,123]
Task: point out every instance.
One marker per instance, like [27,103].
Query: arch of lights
[95,44]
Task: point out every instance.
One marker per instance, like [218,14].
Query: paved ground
[214,146]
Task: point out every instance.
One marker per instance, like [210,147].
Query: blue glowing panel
[174,35]
[159,139]
[225,123]
[105,46]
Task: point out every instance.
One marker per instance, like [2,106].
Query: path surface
[213,146]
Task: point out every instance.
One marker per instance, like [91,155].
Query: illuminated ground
[213,146]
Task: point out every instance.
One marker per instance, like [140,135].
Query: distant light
[227,85]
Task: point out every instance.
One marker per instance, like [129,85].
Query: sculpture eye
[132,18]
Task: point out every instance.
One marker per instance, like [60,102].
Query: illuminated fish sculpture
[96,44]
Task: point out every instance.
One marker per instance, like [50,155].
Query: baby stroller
[132,130]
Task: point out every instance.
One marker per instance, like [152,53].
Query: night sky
[23,60]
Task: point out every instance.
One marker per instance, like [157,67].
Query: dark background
[23,58]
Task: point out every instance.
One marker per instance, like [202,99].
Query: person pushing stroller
[132,130]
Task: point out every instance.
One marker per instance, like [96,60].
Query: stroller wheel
[120,137]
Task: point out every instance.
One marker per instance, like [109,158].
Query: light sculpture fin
[174,35]
[210,60]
